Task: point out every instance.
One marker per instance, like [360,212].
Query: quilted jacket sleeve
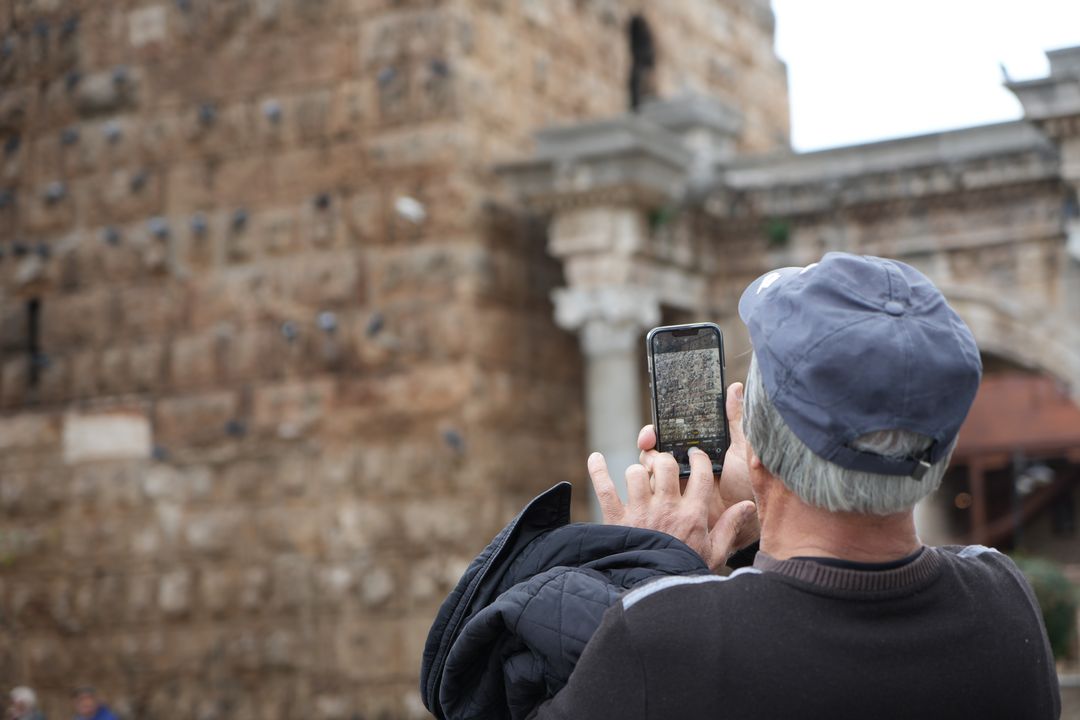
[608,682]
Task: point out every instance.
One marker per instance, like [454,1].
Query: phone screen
[687,364]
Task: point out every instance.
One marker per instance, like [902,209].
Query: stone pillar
[610,323]
[931,521]
[1052,103]
[598,182]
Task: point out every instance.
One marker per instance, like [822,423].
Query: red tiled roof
[1017,411]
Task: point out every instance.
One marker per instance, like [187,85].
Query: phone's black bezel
[717,463]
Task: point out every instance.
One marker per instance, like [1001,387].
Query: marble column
[599,182]
[931,519]
[611,323]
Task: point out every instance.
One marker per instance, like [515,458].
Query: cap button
[894,308]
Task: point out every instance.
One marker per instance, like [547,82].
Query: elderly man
[860,379]
[24,705]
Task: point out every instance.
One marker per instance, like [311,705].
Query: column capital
[608,319]
[1053,102]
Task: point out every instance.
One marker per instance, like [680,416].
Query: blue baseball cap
[856,344]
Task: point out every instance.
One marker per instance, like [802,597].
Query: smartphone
[686,369]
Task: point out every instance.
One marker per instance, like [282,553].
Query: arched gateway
[655,215]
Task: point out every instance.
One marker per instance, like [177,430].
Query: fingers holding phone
[692,481]
[656,502]
[735,480]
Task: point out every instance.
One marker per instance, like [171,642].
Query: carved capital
[609,319]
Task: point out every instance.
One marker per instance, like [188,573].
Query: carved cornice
[929,186]
[628,195]
[1053,102]
[628,160]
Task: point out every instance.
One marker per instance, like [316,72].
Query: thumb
[734,409]
[723,538]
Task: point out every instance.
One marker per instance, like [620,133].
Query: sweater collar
[919,571]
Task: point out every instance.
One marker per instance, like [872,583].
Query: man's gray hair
[823,484]
[25,696]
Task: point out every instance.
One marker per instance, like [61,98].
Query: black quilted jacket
[511,632]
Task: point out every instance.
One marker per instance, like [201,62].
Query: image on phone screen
[688,392]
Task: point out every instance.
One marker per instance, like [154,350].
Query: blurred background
[301,300]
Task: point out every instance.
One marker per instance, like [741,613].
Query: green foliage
[1057,599]
[778,232]
[661,216]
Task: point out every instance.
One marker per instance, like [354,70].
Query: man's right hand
[714,516]
[733,485]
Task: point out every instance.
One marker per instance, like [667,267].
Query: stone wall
[542,63]
[274,364]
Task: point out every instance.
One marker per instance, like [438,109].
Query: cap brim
[758,290]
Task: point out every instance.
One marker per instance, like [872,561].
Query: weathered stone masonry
[275,356]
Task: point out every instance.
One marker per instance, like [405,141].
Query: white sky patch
[865,70]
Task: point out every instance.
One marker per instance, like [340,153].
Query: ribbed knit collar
[919,571]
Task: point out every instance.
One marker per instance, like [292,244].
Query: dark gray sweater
[955,633]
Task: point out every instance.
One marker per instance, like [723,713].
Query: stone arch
[1028,337]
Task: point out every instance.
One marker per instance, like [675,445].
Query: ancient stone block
[146,542]
[124,195]
[253,353]
[47,209]
[150,310]
[194,419]
[225,130]
[364,218]
[147,25]
[28,430]
[350,108]
[422,521]
[254,587]
[312,115]
[84,373]
[22,494]
[230,183]
[291,409]
[332,707]
[326,279]
[115,376]
[292,587]
[377,586]
[211,533]
[280,648]
[14,107]
[193,361]
[431,579]
[289,531]
[336,583]
[160,482]
[145,365]
[240,244]
[268,11]
[104,487]
[106,92]
[277,230]
[174,592]
[324,226]
[216,590]
[359,526]
[413,33]
[106,436]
